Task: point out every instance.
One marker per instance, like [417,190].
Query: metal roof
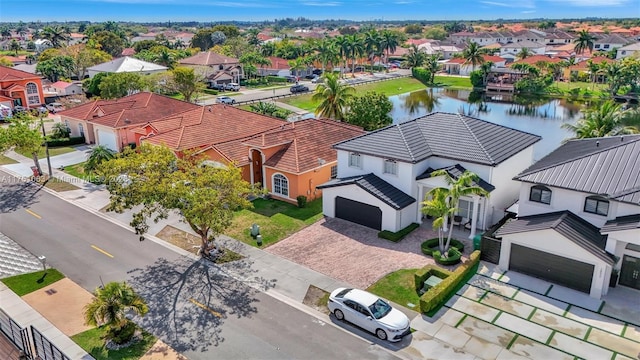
[608,166]
[377,187]
[455,171]
[445,135]
[566,223]
[628,222]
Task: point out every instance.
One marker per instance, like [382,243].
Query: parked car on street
[291,78]
[369,312]
[54,107]
[317,80]
[232,87]
[19,109]
[214,86]
[298,89]
[310,76]
[225,100]
[317,71]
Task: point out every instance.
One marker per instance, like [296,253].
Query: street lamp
[43,260]
[46,145]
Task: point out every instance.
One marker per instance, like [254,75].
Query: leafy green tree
[202,39]
[524,53]
[229,31]
[23,134]
[436,33]
[5,32]
[584,41]
[97,156]
[14,46]
[84,57]
[454,27]
[415,57]
[389,43]
[332,97]
[117,85]
[373,46]
[606,119]
[413,29]
[144,45]
[264,108]
[56,67]
[463,185]
[109,42]
[298,64]
[473,55]
[252,36]
[369,111]
[153,182]
[218,38]
[187,82]
[92,86]
[60,131]
[110,308]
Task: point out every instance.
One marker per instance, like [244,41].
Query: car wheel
[339,315]
[381,334]
[233,102]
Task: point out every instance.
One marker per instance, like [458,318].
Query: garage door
[557,269]
[359,213]
[107,139]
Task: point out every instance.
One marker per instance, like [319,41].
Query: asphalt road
[194,307]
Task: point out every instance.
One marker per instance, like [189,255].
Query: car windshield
[342,293]
[379,309]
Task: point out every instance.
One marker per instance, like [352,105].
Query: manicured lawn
[398,287]
[53,151]
[92,342]
[452,82]
[6,160]
[28,283]
[277,220]
[389,88]
[566,86]
[78,171]
[58,185]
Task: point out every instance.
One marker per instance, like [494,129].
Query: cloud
[527,4]
[591,3]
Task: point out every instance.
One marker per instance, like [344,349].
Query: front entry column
[474,216]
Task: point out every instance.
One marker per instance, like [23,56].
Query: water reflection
[539,116]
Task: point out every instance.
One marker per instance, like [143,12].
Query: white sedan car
[369,312]
[225,100]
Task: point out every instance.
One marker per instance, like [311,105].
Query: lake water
[542,117]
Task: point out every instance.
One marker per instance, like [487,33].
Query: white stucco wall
[552,242]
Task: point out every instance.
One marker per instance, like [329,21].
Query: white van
[54,107]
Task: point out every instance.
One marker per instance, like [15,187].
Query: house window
[541,194]
[355,160]
[597,46]
[280,185]
[596,205]
[633,247]
[33,98]
[334,171]
[390,167]
[606,46]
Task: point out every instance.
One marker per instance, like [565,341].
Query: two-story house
[383,176]
[20,88]
[610,42]
[578,217]
[511,50]
[217,68]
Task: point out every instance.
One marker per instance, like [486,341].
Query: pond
[540,117]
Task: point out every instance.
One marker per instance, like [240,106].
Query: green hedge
[453,257]
[397,236]
[430,270]
[431,245]
[423,75]
[210,91]
[438,294]
[66,141]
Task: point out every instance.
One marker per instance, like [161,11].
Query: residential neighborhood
[315,189]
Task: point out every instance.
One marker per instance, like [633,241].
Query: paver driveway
[354,253]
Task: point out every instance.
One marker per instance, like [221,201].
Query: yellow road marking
[203,306]
[32,213]
[102,251]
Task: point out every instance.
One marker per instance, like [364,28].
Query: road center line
[102,251]
[203,306]
[32,213]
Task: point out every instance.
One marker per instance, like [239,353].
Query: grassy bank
[452,82]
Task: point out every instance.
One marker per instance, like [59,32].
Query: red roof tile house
[459,66]
[111,122]
[23,88]
[288,159]
[218,68]
[278,67]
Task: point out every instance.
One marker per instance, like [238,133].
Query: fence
[44,348]
[32,343]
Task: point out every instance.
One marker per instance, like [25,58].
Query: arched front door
[256,158]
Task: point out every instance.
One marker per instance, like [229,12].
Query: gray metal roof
[455,171]
[377,187]
[566,223]
[629,222]
[446,135]
[607,166]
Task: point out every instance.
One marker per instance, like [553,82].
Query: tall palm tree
[415,57]
[356,50]
[524,53]
[110,307]
[333,97]
[389,43]
[298,64]
[485,69]
[344,50]
[179,44]
[615,74]
[435,205]
[326,53]
[583,42]
[431,63]
[473,55]
[603,120]
[58,36]
[463,185]
[97,156]
[15,46]
[165,58]
[373,45]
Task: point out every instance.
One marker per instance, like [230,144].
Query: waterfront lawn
[452,82]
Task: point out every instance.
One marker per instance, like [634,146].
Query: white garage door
[107,139]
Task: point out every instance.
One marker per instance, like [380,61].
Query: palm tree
[15,46]
[165,58]
[5,32]
[326,53]
[583,42]
[389,43]
[264,108]
[435,205]
[344,48]
[98,155]
[297,65]
[415,58]
[464,185]
[473,55]
[268,49]
[356,50]
[485,69]
[179,44]
[421,100]
[615,74]
[431,63]
[110,307]
[631,121]
[524,53]
[603,120]
[372,45]
[57,35]
[333,97]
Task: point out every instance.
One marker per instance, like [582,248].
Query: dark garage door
[560,270]
[359,213]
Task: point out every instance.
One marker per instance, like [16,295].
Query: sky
[257,10]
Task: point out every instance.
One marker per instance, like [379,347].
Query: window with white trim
[390,167]
[33,97]
[334,171]
[541,194]
[280,185]
[355,160]
[596,205]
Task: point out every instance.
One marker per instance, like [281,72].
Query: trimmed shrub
[66,142]
[430,270]
[438,294]
[302,201]
[397,236]
[431,245]
[421,74]
[210,91]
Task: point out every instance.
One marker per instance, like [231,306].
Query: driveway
[353,253]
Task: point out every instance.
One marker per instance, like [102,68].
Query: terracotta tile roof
[584,65]
[532,60]
[10,74]
[278,63]
[416,41]
[140,108]
[208,58]
[492,58]
[61,84]
[128,52]
[211,125]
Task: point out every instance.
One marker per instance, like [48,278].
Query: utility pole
[46,146]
